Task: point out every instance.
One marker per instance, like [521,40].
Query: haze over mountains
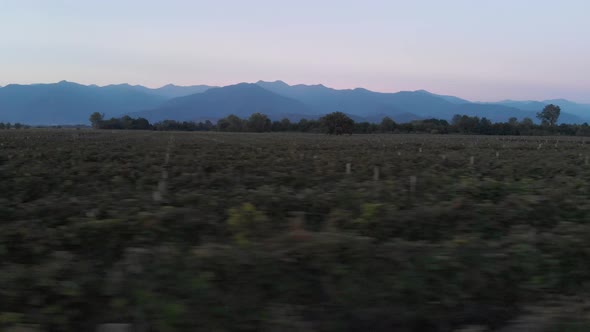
[72,103]
[240,99]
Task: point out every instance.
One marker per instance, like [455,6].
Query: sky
[481,50]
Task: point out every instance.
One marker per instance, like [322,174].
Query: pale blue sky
[476,49]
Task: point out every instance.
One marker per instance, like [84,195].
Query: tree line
[16,125]
[339,123]
[333,123]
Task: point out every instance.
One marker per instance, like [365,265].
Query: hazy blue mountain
[421,103]
[402,106]
[240,99]
[170,90]
[571,112]
[529,105]
[69,103]
[360,102]
[451,99]
[492,111]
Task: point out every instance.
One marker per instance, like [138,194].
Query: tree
[286,124]
[2,125]
[549,115]
[18,125]
[466,124]
[456,121]
[484,126]
[230,123]
[96,119]
[337,123]
[258,122]
[359,127]
[303,125]
[513,121]
[527,122]
[140,124]
[125,122]
[387,124]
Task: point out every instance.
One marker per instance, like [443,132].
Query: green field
[288,232]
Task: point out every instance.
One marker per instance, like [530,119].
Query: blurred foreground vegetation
[215,231]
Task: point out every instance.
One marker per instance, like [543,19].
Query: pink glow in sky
[478,50]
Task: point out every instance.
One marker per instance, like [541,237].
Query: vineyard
[210,231]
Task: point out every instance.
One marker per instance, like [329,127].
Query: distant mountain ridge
[404,106]
[71,103]
[576,109]
[172,91]
[68,103]
[241,99]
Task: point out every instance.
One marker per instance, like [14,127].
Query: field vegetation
[216,231]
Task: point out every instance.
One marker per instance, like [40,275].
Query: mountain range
[71,103]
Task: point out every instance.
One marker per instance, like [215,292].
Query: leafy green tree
[513,121]
[258,123]
[456,121]
[286,124]
[126,121]
[583,130]
[509,128]
[527,122]
[303,125]
[230,123]
[337,123]
[222,124]
[549,115]
[18,125]
[276,126]
[466,124]
[2,125]
[140,123]
[485,127]
[430,126]
[387,124]
[96,119]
